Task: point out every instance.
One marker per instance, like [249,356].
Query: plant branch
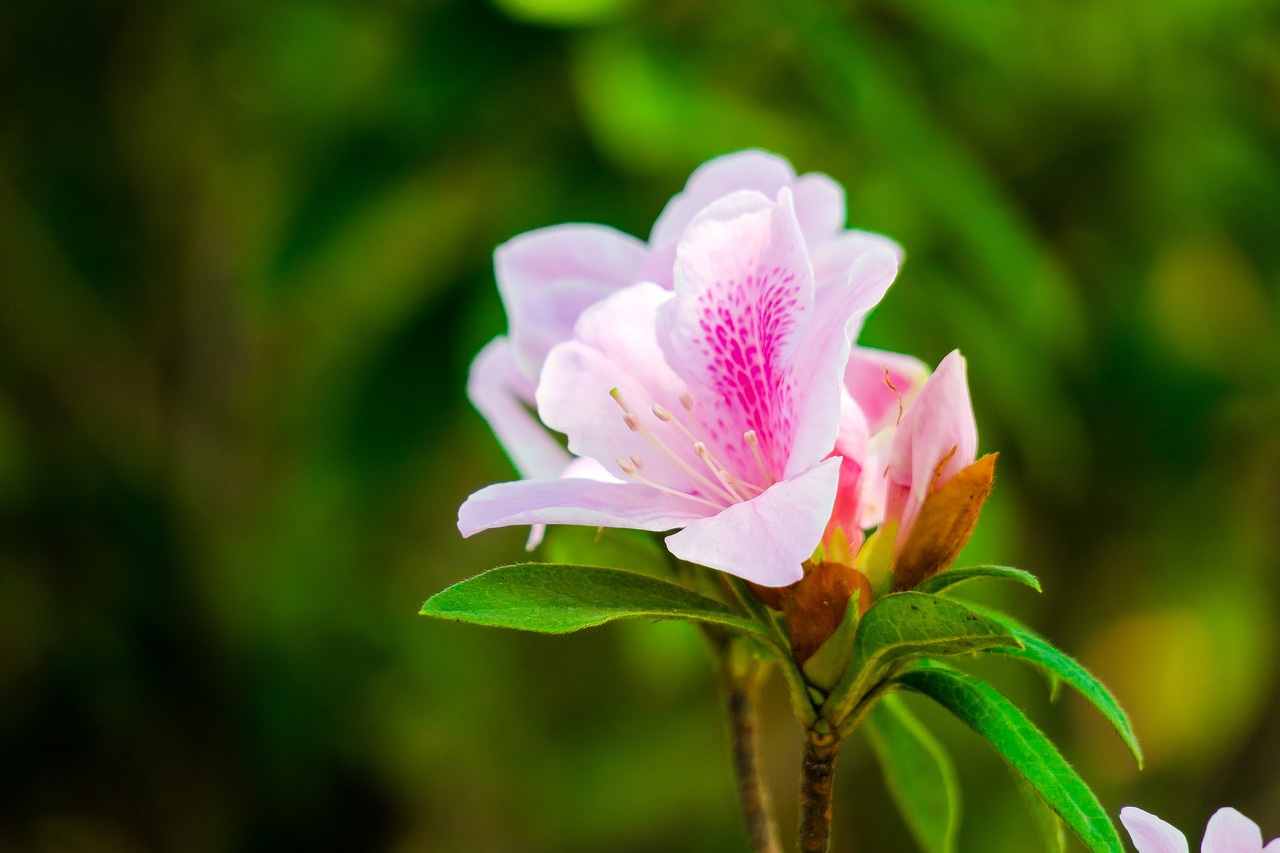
[740,695]
[817,781]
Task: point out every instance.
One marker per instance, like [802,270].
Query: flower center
[718,487]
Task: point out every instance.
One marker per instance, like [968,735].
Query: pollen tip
[661,413]
[686,400]
[700,449]
[627,467]
[750,438]
[636,460]
[631,422]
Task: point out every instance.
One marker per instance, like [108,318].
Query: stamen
[701,449]
[753,442]
[640,478]
[686,400]
[661,413]
[894,389]
[633,424]
[636,460]
[665,416]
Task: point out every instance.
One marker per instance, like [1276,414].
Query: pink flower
[713,408]
[1228,832]
[549,277]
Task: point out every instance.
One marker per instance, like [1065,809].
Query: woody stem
[817,780]
[744,743]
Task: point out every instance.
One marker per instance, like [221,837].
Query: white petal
[590,503]
[1231,832]
[765,540]
[1150,834]
[504,396]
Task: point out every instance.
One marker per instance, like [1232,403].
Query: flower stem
[817,781]
[744,743]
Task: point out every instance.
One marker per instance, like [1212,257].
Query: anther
[661,413]
[636,460]
[753,442]
[686,400]
[632,423]
[627,467]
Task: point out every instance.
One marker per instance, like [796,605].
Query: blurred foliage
[244,262]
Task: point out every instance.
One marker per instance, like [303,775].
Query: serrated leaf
[951,577]
[918,772]
[1060,665]
[1049,827]
[904,627]
[1026,749]
[552,598]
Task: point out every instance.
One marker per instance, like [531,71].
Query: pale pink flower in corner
[549,276]
[713,407]
[1228,832]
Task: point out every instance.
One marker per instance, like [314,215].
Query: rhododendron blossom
[1228,832]
[712,408]
[548,277]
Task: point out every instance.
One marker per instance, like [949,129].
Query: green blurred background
[245,261]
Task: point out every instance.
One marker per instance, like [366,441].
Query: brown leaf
[817,603]
[945,522]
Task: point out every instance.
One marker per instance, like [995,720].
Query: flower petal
[1150,834]
[742,170]
[614,348]
[503,395]
[883,384]
[820,207]
[834,257]
[818,372]
[549,276]
[766,539]
[1273,846]
[937,438]
[1231,832]
[744,292]
[591,503]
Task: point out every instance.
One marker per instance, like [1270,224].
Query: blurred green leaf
[1032,755]
[902,628]
[919,773]
[1052,832]
[617,549]
[1059,664]
[953,577]
[555,599]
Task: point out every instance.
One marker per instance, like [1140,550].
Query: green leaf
[612,547]
[1022,745]
[918,772]
[1059,664]
[554,599]
[1050,828]
[825,666]
[903,627]
[952,577]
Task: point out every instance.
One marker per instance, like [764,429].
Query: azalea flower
[1228,832]
[713,407]
[548,277]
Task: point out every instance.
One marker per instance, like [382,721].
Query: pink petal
[833,258]
[549,276]
[1231,832]
[714,179]
[744,292]
[503,395]
[820,207]
[851,446]
[1273,846]
[576,501]
[936,438]
[580,468]
[818,373]
[883,384]
[1150,834]
[614,348]
[765,540]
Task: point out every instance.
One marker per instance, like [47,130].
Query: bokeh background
[245,261]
